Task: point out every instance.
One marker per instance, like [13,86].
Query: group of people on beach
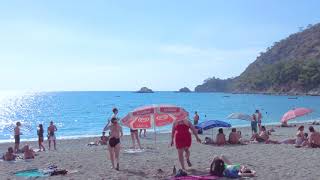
[29,153]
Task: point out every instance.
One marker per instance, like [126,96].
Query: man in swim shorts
[114,142]
[17,134]
[51,135]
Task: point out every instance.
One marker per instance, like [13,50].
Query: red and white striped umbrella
[296,112]
[154,116]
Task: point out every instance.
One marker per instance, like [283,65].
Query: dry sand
[271,161]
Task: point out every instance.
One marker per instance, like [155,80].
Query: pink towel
[195,178]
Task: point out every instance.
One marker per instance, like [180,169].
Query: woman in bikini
[40,132]
[182,138]
[114,142]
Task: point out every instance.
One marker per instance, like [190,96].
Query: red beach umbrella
[154,116]
[296,112]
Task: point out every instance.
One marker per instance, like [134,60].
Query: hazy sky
[124,45]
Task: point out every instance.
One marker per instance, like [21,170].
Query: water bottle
[174,171]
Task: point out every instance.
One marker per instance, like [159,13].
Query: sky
[123,45]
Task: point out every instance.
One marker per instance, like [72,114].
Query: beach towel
[196,178]
[133,151]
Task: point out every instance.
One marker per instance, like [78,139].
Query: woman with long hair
[40,137]
[181,136]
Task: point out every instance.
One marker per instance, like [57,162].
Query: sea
[85,113]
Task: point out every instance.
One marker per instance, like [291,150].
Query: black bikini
[114,141]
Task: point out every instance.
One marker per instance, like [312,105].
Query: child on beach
[17,134]
[9,156]
[114,142]
[40,132]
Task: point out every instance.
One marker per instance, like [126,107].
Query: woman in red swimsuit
[182,137]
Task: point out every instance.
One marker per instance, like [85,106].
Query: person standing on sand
[114,142]
[135,136]
[40,132]
[254,124]
[51,135]
[17,134]
[196,118]
[259,118]
[182,138]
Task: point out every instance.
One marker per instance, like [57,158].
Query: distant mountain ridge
[290,66]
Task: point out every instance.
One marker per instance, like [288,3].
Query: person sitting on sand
[220,138]
[263,137]
[300,136]
[314,139]
[234,137]
[103,139]
[222,167]
[114,142]
[28,152]
[9,156]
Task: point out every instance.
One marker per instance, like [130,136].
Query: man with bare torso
[114,142]
[314,139]
[51,135]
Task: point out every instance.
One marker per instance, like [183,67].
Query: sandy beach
[271,161]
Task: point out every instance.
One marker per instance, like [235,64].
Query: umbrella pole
[155,135]
[212,133]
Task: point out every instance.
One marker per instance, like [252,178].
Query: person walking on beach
[51,135]
[114,142]
[17,134]
[181,136]
[254,124]
[259,118]
[196,118]
[40,132]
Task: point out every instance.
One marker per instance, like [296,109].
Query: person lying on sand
[314,140]
[220,138]
[28,152]
[285,124]
[263,136]
[9,156]
[223,167]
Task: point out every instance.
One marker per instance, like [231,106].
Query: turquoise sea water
[82,114]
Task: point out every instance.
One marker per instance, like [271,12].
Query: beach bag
[181,173]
